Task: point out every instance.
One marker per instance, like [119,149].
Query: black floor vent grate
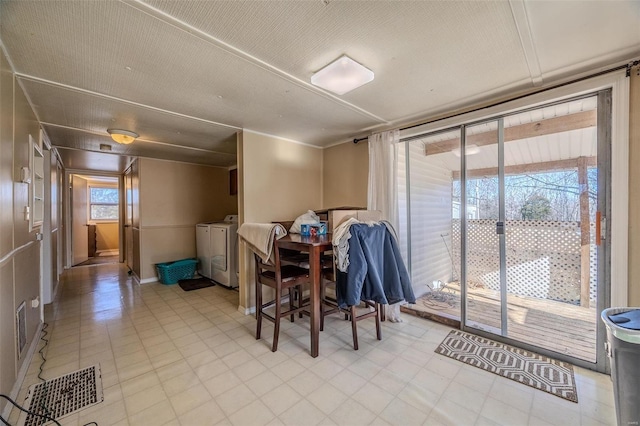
[63,395]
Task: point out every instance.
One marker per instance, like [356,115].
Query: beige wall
[174,197]
[19,249]
[278,180]
[345,175]
[107,236]
[634,189]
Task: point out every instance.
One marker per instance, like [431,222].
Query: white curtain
[383,175]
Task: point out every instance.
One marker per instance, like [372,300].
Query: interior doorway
[95,219]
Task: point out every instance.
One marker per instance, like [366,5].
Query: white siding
[431,202]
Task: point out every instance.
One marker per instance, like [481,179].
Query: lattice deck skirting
[543,257]
[62,396]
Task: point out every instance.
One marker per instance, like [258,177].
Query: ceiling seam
[282,138]
[114,98]
[196,32]
[44,123]
[521,19]
[133,159]
[26,95]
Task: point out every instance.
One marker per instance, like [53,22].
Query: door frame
[604,142]
[68,237]
[617,219]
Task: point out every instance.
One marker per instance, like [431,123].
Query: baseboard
[22,373]
[146,280]
[247,311]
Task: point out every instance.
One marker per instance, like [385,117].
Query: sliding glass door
[502,226]
[534,189]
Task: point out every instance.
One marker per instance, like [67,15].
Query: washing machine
[217,250]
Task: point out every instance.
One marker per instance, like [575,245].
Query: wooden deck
[557,326]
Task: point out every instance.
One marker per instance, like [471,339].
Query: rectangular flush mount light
[342,76]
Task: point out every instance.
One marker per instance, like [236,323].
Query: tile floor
[170,357]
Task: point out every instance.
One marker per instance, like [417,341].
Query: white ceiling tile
[570,35]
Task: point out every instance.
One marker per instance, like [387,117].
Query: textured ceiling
[187,75]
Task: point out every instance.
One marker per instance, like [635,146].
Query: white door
[80,245]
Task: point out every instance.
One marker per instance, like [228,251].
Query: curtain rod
[607,71]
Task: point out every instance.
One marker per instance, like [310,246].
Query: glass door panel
[551,193]
[429,200]
[484,299]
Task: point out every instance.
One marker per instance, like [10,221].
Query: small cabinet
[37,194]
[92,240]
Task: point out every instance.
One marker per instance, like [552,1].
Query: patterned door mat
[539,372]
[64,395]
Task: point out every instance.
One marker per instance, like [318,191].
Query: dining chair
[355,313]
[329,304]
[280,278]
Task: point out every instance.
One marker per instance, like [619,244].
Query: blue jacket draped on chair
[376,270]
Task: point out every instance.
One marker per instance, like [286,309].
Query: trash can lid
[629,319]
[623,323]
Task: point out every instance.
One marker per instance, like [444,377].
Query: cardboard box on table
[336,216]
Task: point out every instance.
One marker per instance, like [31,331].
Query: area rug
[539,372]
[195,283]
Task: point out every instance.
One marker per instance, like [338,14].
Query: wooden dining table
[315,246]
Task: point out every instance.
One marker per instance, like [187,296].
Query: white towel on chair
[260,237]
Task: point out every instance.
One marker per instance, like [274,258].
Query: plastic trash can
[623,348]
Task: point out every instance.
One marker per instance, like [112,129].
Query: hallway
[190,358]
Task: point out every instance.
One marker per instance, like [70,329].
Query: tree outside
[536,196]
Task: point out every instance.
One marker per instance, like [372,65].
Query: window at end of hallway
[103,205]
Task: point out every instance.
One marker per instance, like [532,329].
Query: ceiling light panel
[342,76]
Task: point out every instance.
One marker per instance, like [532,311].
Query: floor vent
[64,395]
[21,326]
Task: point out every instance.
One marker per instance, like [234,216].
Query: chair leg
[258,310]
[300,297]
[276,326]
[379,310]
[383,313]
[292,303]
[354,329]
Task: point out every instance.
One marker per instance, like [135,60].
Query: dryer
[217,250]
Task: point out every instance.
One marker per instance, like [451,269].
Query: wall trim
[247,311]
[146,280]
[22,373]
[620,199]
[190,226]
